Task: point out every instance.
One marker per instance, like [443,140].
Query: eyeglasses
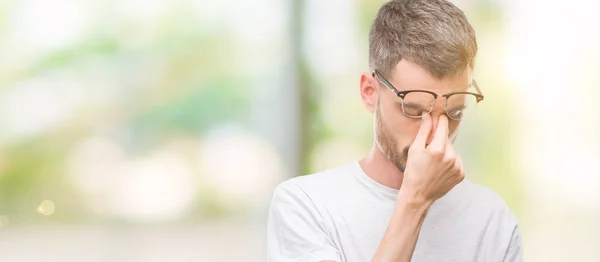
[417,103]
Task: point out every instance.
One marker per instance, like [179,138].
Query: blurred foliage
[197,90]
[195,111]
[34,171]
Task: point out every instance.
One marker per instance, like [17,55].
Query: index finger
[424,131]
[440,137]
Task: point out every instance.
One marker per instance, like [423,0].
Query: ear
[368,91]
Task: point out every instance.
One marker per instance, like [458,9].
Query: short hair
[434,34]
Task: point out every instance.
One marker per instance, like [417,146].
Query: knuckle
[450,158]
[461,176]
[437,153]
[456,166]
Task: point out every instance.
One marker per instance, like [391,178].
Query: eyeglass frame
[479,96]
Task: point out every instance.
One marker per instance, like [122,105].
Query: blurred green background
[156,130]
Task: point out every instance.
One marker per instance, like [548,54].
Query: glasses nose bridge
[441,104]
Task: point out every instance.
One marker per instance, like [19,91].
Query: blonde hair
[434,34]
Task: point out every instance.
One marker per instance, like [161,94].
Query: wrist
[412,201]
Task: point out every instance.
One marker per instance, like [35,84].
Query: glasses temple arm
[476,87]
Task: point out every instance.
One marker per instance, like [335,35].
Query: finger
[450,153]
[423,133]
[453,156]
[461,169]
[440,138]
[457,164]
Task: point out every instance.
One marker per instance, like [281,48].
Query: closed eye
[414,109]
[456,111]
[413,106]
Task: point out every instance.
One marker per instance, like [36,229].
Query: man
[406,200]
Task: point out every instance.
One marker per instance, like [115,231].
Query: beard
[387,144]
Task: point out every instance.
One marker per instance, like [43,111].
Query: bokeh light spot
[46,208]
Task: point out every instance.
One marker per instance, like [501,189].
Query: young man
[406,200]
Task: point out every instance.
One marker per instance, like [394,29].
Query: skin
[415,156]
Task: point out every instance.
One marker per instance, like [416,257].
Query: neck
[379,168]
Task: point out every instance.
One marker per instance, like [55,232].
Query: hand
[431,170]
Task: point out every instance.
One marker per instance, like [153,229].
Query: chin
[401,168]
[400,165]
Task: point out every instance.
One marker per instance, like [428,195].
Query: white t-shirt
[341,215]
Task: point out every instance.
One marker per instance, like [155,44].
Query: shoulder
[316,184]
[305,197]
[471,189]
[481,198]
[488,209]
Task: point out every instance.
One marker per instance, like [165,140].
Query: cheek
[405,130]
[399,127]
[453,128]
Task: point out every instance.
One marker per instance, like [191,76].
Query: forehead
[408,76]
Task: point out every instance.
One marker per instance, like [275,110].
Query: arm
[400,238]
[431,171]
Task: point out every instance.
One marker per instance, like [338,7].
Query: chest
[446,235]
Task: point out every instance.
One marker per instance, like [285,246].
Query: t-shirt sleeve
[514,252]
[295,229]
